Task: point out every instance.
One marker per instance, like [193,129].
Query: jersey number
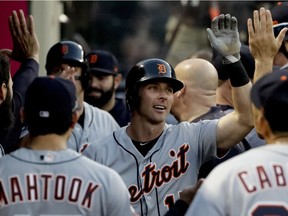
[275,210]
[169,201]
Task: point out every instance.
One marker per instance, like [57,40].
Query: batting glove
[224,38]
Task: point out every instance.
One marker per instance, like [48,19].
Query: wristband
[237,74]
[230,59]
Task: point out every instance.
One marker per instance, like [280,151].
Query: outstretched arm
[26,50]
[224,38]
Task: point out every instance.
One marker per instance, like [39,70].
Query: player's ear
[117,80]
[3,92]
[22,114]
[75,117]
[181,92]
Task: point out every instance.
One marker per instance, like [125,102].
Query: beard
[102,100]
[6,114]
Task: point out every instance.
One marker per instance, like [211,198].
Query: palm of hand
[227,42]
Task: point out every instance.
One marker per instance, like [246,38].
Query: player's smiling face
[156,99]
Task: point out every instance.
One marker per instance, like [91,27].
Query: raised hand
[224,37]
[25,41]
[262,43]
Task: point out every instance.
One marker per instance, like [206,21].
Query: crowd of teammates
[69,133]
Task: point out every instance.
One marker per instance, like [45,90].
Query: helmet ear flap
[132,98]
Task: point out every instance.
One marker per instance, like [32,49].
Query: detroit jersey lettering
[154,181]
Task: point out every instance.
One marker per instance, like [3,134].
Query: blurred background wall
[132,30]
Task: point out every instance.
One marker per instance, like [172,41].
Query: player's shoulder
[243,160]
[105,143]
[94,109]
[91,110]
[95,116]
[188,125]
[98,167]
[112,138]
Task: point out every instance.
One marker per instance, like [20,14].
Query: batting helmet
[67,52]
[148,70]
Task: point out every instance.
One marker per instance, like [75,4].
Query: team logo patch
[64,49]
[161,69]
[93,58]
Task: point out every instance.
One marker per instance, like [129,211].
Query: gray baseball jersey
[59,183]
[97,124]
[252,183]
[154,181]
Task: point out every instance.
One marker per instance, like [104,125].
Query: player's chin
[160,117]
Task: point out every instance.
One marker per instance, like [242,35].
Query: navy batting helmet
[67,52]
[149,70]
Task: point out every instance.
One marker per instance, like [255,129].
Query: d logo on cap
[93,59]
[64,49]
[161,68]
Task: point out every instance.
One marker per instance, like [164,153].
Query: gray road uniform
[253,183]
[97,124]
[154,181]
[34,183]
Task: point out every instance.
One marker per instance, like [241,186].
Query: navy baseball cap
[49,104]
[102,62]
[271,93]
[279,14]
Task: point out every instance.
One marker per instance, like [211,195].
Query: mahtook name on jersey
[47,187]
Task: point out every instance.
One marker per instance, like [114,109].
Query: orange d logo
[161,68]
[65,49]
[93,58]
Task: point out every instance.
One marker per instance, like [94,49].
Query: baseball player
[254,182]
[47,178]
[66,59]
[12,94]
[156,160]
[105,79]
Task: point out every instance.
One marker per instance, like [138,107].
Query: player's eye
[169,90]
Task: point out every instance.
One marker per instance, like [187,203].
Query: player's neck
[144,132]
[109,105]
[51,142]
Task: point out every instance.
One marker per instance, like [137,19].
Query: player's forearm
[241,87]
[262,67]
[240,120]
[242,104]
